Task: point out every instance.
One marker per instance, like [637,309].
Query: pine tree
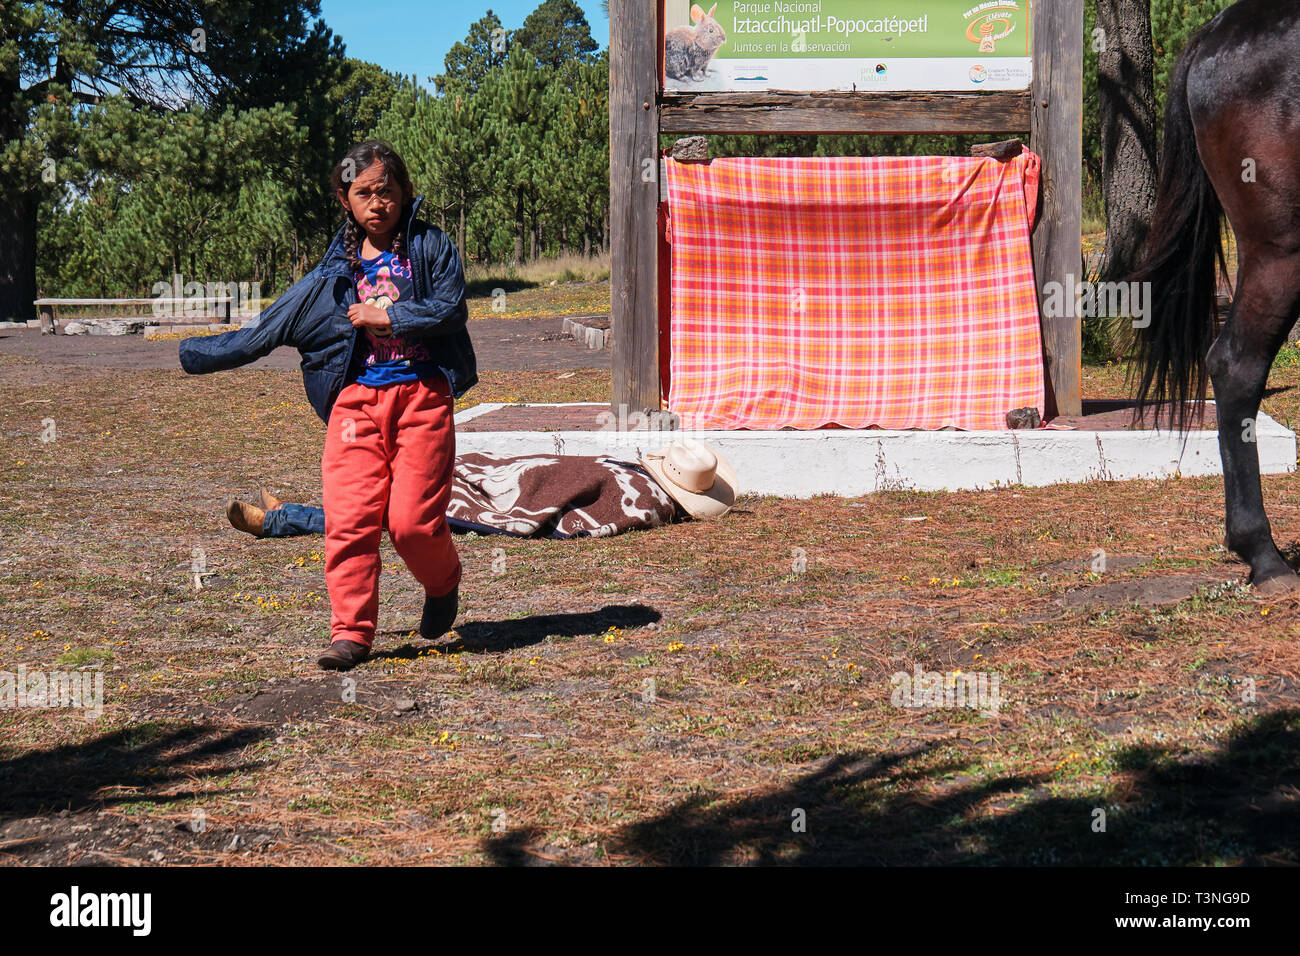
[557,32]
[60,56]
[512,118]
[576,149]
[468,63]
[200,193]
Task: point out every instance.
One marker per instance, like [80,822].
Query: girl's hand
[363,316]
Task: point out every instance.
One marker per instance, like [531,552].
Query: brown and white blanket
[556,496]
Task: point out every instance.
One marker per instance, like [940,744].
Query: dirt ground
[701,693]
[499,345]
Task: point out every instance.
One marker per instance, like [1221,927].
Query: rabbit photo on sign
[688,50]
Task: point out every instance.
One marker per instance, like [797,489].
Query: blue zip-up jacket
[312,316]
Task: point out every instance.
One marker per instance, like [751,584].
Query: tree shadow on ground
[480,288]
[126,766]
[1241,803]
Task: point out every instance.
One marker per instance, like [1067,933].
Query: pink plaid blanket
[895,292]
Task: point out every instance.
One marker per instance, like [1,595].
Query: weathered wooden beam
[1006,150]
[1056,134]
[634,200]
[844,113]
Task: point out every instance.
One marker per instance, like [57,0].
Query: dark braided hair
[358,159]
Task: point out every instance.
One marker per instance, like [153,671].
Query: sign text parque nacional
[852,45]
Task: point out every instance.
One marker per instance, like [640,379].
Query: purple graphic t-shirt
[386,360]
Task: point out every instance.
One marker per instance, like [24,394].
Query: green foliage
[513,152]
[230,180]
[469,62]
[1172,24]
[198,193]
[1288,356]
[557,33]
[361,97]
[139,139]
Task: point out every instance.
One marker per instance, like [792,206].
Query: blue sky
[413,36]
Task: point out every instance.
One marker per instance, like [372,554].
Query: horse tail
[1183,245]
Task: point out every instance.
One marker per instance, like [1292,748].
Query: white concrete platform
[850,462]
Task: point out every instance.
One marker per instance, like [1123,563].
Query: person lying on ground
[557,496]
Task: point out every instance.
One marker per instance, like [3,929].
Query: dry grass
[521,301]
[675,696]
[546,288]
[560,269]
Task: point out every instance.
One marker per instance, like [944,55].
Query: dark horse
[1232,146]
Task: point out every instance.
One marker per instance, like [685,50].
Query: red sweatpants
[389,450]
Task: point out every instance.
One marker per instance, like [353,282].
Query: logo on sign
[986,30]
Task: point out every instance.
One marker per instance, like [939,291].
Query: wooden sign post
[1051,111]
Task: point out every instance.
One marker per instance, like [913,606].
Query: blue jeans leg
[291,521]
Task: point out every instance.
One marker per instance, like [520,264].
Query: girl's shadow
[485,637]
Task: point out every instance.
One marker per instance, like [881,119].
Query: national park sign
[851,45]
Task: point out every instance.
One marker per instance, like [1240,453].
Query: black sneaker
[439,614]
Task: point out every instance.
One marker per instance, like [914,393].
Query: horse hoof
[1278,584]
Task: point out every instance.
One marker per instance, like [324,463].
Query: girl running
[381,326]
[391,443]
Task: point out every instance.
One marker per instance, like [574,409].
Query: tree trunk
[18,210]
[519,226]
[1127,101]
[460,232]
[564,238]
[17,256]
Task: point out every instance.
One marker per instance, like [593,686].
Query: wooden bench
[47,309]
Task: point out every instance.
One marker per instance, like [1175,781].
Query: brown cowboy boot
[343,656]
[246,518]
[269,501]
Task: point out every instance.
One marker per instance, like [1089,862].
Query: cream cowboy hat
[696,477]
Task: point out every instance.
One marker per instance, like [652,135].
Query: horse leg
[1263,311]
